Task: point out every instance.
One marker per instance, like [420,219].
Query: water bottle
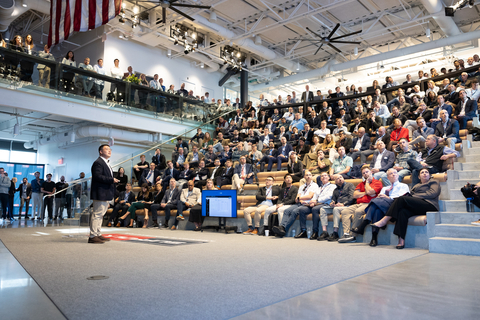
[470,207]
[309,232]
[293,232]
[134,223]
[78,202]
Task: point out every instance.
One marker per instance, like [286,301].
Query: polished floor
[417,286]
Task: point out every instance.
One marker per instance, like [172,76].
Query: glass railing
[29,72]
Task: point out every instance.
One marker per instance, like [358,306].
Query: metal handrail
[75,182]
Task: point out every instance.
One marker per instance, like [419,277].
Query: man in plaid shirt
[400,164]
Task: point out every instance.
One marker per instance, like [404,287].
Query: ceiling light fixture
[24,3]
[213,16]
[298,66]
[202,65]
[169,52]
[427,32]
[16,129]
[258,40]
[355,51]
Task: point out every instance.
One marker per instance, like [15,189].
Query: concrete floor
[429,286]
[432,286]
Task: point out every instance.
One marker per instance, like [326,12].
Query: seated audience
[196,211]
[243,174]
[122,203]
[190,198]
[447,130]
[382,160]
[150,177]
[359,144]
[341,166]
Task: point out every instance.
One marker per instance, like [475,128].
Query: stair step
[468,174]
[457,231]
[453,206]
[457,184]
[470,157]
[456,194]
[459,217]
[459,166]
[474,151]
[454,246]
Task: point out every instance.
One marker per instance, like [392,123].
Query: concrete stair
[450,231]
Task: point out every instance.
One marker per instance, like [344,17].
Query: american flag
[68,16]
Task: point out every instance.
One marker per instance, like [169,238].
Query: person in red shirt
[365,191]
[398,133]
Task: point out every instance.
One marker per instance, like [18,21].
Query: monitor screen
[219,203]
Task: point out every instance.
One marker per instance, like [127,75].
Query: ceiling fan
[171,4]
[328,40]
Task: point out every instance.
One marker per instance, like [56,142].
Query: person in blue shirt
[298,123]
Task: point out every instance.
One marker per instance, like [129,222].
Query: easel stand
[222,224]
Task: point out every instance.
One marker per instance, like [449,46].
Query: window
[22,157]
[4,155]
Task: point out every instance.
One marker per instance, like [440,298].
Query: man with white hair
[417,92]
[447,130]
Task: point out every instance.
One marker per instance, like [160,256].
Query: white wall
[151,60]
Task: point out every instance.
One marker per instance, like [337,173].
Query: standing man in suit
[159,160]
[307,95]
[225,176]
[168,174]
[102,192]
[382,160]
[359,144]
[189,198]
[25,189]
[243,173]
[122,203]
[266,197]
[447,130]
[151,176]
[466,109]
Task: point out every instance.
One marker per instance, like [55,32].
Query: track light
[258,40]
[427,33]
[213,16]
[298,66]
[72,137]
[24,3]
[202,65]
[169,52]
[135,10]
[16,129]
[355,51]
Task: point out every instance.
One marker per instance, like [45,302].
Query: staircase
[450,231]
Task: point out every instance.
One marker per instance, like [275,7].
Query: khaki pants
[352,215]
[271,210]
[44,77]
[99,209]
[237,183]
[247,214]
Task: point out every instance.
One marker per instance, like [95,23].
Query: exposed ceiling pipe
[11,9]
[247,44]
[95,132]
[437,10]
[464,37]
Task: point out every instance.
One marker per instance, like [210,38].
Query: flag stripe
[68,16]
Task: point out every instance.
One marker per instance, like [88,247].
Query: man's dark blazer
[175,158]
[385,139]
[470,108]
[365,143]
[102,188]
[187,175]
[453,128]
[202,173]
[436,111]
[310,96]
[29,190]
[262,196]
[160,163]
[290,198]
[175,197]
[387,160]
[248,170]
[288,149]
[223,174]
[452,97]
[166,173]
[315,122]
[131,197]
[143,178]
[266,153]
[262,137]
[272,128]
[309,135]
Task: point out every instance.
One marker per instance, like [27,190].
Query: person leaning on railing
[44,71]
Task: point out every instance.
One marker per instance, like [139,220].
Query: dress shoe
[197,228]
[324,236]
[155,224]
[104,239]
[333,237]
[165,225]
[314,236]
[130,226]
[302,234]
[95,240]
[373,243]
[400,247]
[279,230]
[374,226]
[109,225]
[254,231]
[118,225]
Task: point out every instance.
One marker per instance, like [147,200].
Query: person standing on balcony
[44,71]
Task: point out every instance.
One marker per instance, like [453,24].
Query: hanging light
[169,52]
[298,66]
[16,129]
[355,51]
[213,16]
[135,9]
[427,33]
[258,40]
[72,137]
[202,65]
[24,3]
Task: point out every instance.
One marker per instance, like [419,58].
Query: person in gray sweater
[4,188]
[423,198]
